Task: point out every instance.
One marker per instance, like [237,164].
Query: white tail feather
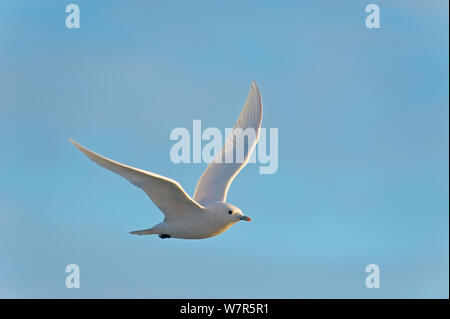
[149,231]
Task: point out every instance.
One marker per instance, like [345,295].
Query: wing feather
[215,181]
[167,194]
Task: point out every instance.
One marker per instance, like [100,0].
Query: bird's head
[228,213]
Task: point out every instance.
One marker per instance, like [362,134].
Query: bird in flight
[207,214]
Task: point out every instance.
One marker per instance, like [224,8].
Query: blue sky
[363,147]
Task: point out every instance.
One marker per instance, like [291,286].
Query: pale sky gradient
[363,146]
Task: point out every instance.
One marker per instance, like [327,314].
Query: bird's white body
[213,220]
[207,214]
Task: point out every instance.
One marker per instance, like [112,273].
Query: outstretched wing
[166,193]
[216,179]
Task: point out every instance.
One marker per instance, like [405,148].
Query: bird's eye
[230,212]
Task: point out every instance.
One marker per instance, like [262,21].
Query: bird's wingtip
[71,140]
[254,86]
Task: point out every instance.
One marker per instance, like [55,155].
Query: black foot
[162,236]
